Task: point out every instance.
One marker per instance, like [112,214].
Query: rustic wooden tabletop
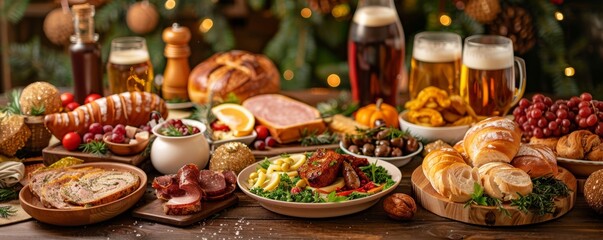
[249,220]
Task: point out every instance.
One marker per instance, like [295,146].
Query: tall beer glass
[488,83]
[436,61]
[129,67]
[376,52]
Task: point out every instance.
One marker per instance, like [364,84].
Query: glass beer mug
[436,61]
[375,52]
[488,83]
[129,67]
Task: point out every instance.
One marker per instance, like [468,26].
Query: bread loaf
[495,139]
[238,72]
[536,160]
[549,142]
[449,175]
[99,188]
[577,144]
[503,181]
[128,108]
[285,118]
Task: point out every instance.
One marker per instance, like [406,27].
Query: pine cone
[324,6]
[483,11]
[515,23]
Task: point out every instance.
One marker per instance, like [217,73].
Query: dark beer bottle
[85,54]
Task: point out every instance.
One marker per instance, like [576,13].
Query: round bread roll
[232,156]
[536,159]
[242,73]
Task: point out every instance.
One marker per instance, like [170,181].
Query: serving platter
[319,210]
[55,152]
[85,215]
[153,210]
[580,168]
[485,215]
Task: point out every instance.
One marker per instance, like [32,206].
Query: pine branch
[13,10]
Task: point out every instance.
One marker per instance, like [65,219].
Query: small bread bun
[536,159]
[593,192]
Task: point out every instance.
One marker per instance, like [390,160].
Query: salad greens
[287,190]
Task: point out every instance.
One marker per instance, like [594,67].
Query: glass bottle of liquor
[85,54]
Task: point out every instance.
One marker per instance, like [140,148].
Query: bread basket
[40,136]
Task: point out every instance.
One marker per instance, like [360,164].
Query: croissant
[495,139]
[503,181]
[536,159]
[577,144]
[449,175]
[128,108]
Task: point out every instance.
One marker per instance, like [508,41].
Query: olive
[396,152]
[412,145]
[354,149]
[382,151]
[358,140]
[383,134]
[380,122]
[383,142]
[346,141]
[368,149]
[397,142]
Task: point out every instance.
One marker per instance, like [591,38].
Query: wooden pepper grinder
[177,70]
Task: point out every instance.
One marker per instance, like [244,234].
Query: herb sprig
[7,194]
[540,201]
[479,198]
[312,138]
[7,211]
[94,147]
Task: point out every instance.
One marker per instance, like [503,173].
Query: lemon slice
[299,159]
[236,117]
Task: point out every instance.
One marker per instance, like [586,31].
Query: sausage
[352,181]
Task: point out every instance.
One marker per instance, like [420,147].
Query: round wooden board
[483,215]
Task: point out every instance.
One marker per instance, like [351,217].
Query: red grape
[538,132]
[537,98]
[584,104]
[107,128]
[562,113]
[591,120]
[95,128]
[542,122]
[117,138]
[553,125]
[586,96]
[584,112]
[536,113]
[524,103]
[88,137]
[120,129]
[582,123]
[565,122]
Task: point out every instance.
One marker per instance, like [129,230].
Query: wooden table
[248,220]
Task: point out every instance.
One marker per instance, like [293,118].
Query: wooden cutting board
[482,215]
[289,148]
[55,152]
[153,211]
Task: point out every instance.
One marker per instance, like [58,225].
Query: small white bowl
[247,140]
[396,161]
[451,135]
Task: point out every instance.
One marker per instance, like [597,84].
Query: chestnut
[400,206]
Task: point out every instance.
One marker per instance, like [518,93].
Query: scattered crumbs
[138,235]
[386,233]
[270,229]
[237,233]
[134,230]
[214,234]
[252,229]
[140,226]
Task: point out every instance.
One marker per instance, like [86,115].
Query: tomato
[66,98]
[262,132]
[72,106]
[71,141]
[92,97]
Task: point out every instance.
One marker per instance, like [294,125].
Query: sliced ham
[229,190]
[167,187]
[190,202]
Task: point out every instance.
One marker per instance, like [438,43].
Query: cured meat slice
[190,202]
[229,190]
[230,177]
[212,183]
[167,187]
[99,187]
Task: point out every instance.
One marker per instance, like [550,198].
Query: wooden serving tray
[483,215]
[153,211]
[55,152]
[289,148]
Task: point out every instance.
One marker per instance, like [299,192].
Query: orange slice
[236,117]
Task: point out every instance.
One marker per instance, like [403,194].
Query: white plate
[182,105]
[319,210]
[580,168]
[396,161]
[247,140]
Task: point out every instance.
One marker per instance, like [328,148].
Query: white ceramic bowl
[319,210]
[169,154]
[451,135]
[396,161]
[247,140]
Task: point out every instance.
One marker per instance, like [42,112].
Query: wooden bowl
[124,149]
[84,216]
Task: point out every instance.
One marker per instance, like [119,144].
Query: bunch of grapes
[544,118]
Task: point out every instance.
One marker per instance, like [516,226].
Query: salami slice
[213,183]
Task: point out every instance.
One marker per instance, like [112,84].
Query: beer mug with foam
[129,67]
[488,78]
[436,61]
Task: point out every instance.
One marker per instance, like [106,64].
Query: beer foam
[128,57]
[488,58]
[436,53]
[375,16]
